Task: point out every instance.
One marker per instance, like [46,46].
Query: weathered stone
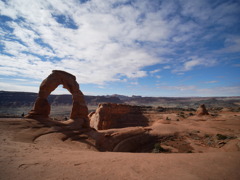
[41,109]
[202,110]
[129,139]
[110,115]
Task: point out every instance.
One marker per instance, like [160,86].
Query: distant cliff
[16,99]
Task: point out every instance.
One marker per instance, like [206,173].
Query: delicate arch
[41,108]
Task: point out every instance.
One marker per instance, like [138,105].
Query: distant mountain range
[8,98]
[16,99]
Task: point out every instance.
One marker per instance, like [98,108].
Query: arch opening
[60,101]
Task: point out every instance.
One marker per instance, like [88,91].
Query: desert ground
[189,147]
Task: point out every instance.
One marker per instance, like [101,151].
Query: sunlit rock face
[41,108]
[111,115]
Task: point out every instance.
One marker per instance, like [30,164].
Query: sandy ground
[26,153]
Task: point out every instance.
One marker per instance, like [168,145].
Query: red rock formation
[122,140]
[202,110]
[110,115]
[41,109]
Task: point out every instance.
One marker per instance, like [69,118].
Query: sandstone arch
[41,108]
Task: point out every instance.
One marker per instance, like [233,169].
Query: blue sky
[137,47]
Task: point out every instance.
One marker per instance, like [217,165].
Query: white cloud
[27,88]
[179,88]
[155,71]
[191,90]
[7,11]
[167,67]
[21,80]
[219,91]
[193,62]
[190,64]
[134,83]
[236,65]
[232,44]
[102,48]
[210,82]
[14,87]
[196,9]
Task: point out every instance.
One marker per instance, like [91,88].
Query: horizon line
[131,95]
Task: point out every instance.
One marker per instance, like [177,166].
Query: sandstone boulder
[202,110]
[41,109]
[111,115]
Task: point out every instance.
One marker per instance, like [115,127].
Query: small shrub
[191,114]
[181,114]
[158,148]
[221,137]
[206,135]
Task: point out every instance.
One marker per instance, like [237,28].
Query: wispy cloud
[210,82]
[193,62]
[155,71]
[12,87]
[167,67]
[219,91]
[236,65]
[180,88]
[189,90]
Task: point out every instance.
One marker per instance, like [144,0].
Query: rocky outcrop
[110,115]
[202,110]
[130,139]
[41,109]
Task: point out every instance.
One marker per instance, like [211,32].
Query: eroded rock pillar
[202,110]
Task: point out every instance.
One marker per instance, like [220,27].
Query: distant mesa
[202,110]
[41,108]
